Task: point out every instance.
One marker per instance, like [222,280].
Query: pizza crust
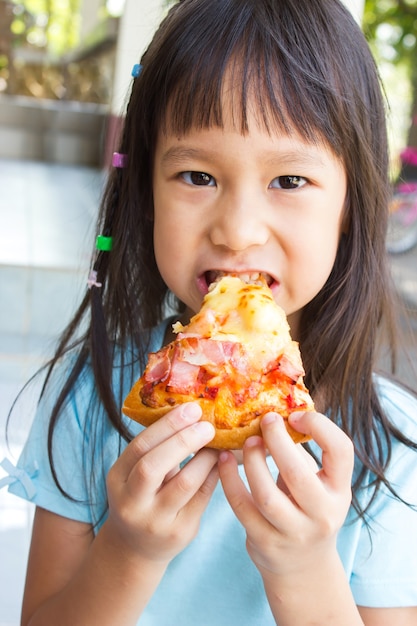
[235,358]
[231,438]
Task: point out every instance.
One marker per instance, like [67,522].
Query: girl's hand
[154,506]
[293,523]
[154,512]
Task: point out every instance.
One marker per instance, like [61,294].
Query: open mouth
[212,277]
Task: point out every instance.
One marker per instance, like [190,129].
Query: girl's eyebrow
[299,158]
[176,155]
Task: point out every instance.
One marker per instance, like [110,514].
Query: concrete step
[48,214]
[52,130]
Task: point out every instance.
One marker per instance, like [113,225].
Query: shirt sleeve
[385,565]
[33,474]
[85,445]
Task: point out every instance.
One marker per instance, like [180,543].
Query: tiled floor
[47,221]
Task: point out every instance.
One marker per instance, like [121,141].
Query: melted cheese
[236,311]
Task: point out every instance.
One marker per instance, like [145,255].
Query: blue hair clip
[137,68]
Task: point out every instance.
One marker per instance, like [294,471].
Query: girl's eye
[288,182]
[198,178]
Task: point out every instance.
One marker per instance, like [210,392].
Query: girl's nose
[238,226]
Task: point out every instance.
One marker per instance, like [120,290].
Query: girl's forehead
[237,104]
[242,98]
[232,115]
[244,95]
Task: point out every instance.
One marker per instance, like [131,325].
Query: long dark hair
[307,66]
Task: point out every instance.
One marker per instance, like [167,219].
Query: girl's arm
[154,512]
[292,527]
[73,579]
[406,616]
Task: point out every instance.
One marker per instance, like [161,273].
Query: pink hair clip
[119,160]
[92,280]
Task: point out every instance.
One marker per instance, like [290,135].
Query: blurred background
[65,70]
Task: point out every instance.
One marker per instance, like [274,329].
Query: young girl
[254,141]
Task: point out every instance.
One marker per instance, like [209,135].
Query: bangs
[208,96]
[243,62]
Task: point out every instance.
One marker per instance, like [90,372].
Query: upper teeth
[254,278]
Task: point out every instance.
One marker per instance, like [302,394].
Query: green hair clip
[105,244]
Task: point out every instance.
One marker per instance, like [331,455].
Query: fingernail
[270,418]
[253,441]
[295,417]
[205,429]
[191,411]
[224,456]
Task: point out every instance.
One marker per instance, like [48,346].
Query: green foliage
[391,28]
[50,24]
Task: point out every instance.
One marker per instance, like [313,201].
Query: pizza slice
[235,358]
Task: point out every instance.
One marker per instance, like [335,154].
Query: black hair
[306,66]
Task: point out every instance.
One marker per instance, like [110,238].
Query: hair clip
[119,160]
[105,244]
[92,280]
[136,70]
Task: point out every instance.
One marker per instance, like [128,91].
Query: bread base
[231,438]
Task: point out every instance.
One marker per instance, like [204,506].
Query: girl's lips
[251,277]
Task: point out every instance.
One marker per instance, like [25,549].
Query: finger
[337,448]
[200,501]
[193,485]
[308,459]
[150,471]
[274,504]
[190,515]
[171,474]
[300,478]
[237,495]
[174,421]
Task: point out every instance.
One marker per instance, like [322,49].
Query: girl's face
[233,203]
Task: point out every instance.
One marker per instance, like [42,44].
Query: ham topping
[202,366]
[285,366]
[159,366]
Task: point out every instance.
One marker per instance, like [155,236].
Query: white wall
[356,6]
[89,16]
[137,25]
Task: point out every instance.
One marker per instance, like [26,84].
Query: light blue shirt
[213,582]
